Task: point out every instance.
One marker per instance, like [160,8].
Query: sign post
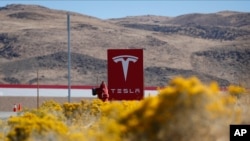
[125,74]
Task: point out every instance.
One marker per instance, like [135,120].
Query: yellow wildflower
[236,90]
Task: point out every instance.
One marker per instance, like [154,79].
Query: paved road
[5,115]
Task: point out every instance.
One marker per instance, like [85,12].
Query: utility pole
[69,57]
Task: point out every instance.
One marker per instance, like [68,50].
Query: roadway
[5,115]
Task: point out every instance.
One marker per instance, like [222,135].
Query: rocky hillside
[211,46]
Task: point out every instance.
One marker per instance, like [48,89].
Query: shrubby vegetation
[184,110]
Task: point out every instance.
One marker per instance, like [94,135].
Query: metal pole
[96,79]
[37,89]
[69,57]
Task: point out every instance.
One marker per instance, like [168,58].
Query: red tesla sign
[125,74]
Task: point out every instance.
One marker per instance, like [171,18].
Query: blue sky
[105,9]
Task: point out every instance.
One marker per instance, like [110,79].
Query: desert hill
[211,46]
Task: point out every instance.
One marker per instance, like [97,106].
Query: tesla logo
[125,59]
[128,83]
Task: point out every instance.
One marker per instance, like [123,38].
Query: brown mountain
[211,46]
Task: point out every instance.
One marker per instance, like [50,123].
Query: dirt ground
[7,102]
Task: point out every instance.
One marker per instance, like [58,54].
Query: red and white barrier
[55,90]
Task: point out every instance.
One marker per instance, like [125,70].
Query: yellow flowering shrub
[1,136]
[184,110]
[83,113]
[72,110]
[3,130]
[107,127]
[236,90]
[117,109]
[24,126]
[48,107]
[51,105]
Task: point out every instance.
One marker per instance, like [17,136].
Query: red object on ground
[14,108]
[19,108]
[102,92]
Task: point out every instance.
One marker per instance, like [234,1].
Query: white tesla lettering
[125,59]
[126,91]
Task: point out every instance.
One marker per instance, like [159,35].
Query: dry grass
[92,36]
